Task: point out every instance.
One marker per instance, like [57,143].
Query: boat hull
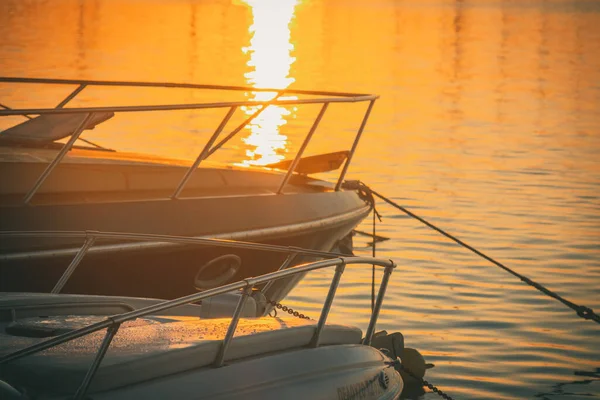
[340,372]
[315,221]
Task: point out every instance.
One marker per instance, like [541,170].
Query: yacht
[53,179]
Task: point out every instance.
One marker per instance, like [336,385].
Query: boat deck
[151,347]
[88,176]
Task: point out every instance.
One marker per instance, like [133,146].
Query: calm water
[488,125]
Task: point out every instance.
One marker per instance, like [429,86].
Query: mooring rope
[374,254]
[582,311]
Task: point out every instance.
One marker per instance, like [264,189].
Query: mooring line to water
[582,311]
[373,254]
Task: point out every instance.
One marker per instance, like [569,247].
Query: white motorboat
[215,344]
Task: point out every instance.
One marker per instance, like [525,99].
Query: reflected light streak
[270,60]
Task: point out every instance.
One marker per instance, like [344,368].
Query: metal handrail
[174,107]
[113,323]
[92,236]
[210,147]
[170,85]
[165,238]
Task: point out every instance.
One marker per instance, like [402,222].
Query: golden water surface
[488,125]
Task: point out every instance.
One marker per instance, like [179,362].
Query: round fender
[229,264]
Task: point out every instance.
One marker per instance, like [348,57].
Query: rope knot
[585,312]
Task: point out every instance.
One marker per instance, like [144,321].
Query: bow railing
[113,323]
[316,97]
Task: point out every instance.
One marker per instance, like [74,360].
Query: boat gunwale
[154,241]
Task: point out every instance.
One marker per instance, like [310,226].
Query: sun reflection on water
[270,61]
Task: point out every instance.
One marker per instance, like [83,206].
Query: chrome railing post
[89,241]
[375,313]
[71,96]
[302,148]
[58,158]
[288,260]
[240,127]
[286,263]
[110,334]
[354,145]
[339,270]
[203,153]
[232,326]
